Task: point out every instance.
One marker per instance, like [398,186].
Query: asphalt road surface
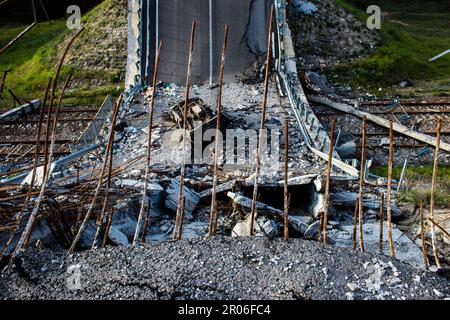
[171,20]
[222,268]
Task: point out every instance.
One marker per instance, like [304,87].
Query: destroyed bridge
[104,173]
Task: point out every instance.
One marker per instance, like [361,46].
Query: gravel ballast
[223,268]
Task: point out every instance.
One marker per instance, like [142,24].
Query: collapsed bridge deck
[170,21]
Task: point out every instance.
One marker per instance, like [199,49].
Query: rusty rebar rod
[185,115]
[108,226]
[146,222]
[102,174]
[422,236]
[53,138]
[149,147]
[55,119]
[52,97]
[214,215]
[15,98]
[433,191]
[380,241]
[355,222]
[439,227]
[327,185]
[320,228]
[2,85]
[20,35]
[389,187]
[101,218]
[180,229]
[361,184]
[286,189]
[261,128]
[24,238]
[33,172]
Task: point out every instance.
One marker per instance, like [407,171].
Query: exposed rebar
[101,217]
[389,187]
[422,236]
[52,97]
[327,185]
[180,229]
[361,184]
[214,214]
[149,147]
[286,189]
[2,84]
[380,241]
[53,138]
[185,115]
[101,177]
[261,129]
[355,221]
[146,222]
[15,98]
[108,226]
[33,173]
[16,38]
[20,244]
[433,191]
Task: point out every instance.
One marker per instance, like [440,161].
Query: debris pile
[172,163]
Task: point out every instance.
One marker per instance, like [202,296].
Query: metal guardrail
[312,131]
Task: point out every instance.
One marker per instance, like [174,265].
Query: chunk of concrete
[348,200]
[405,249]
[118,237]
[263,227]
[172,197]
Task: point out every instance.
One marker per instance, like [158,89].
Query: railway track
[417,114]
[18,137]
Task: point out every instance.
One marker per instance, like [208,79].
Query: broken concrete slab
[348,200]
[39,176]
[263,227]
[155,193]
[263,208]
[118,237]
[172,196]
[347,150]
[195,229]
[249,182]
[406,250]
[20,111]
[305,7]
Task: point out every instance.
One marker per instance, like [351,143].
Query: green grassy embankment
[34,58]
[418,184]
[413,31]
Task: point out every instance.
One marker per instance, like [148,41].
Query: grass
[418,183]
[33,60]
[412,32]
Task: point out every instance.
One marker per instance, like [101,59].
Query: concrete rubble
[242,111]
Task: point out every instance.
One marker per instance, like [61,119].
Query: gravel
[223,268]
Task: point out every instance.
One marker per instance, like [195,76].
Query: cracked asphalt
[223,268]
